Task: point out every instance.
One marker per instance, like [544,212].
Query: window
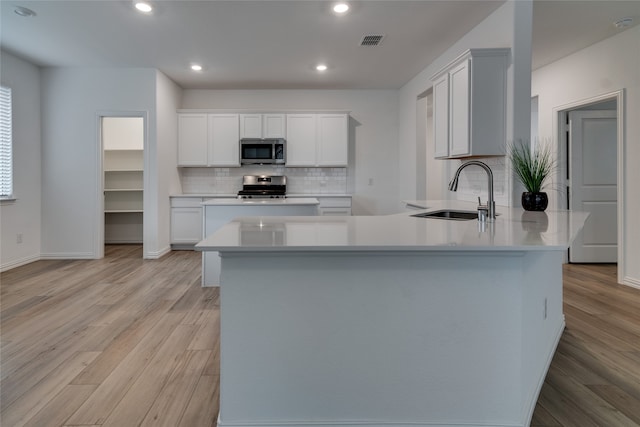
[6,149]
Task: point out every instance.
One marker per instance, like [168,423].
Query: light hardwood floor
[129,342]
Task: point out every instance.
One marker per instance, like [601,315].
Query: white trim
[630,281]
[157,254]
[67,255]
[19,262]
[560,112]
[98,236]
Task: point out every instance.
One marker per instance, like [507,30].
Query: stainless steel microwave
[255,151]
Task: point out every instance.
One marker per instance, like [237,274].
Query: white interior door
[593,183]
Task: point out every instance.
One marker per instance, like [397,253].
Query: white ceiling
[270,44]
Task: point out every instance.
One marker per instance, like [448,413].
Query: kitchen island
[219,211]
[389,320]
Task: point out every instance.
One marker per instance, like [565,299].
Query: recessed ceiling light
[623,23]
[24,12]
[196,67]
[143,7]
[340,8]
[321,67]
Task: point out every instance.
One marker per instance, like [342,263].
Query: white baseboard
[157,254]
[630,281]
[19,262]
[68,255]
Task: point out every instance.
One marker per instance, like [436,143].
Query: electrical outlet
[19,238]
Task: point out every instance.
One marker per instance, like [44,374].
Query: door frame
[98,237]
[559,125]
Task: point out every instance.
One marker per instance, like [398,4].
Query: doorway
[122,141]
[590,155]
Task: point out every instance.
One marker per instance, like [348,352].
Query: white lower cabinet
[186,222]
[331,205]
[334,206]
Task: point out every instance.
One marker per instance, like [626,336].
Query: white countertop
[231,196]
[204,195]
[513,230]
[261,202]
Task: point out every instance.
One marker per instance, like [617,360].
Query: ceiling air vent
[371,40]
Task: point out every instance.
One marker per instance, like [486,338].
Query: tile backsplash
[229,180]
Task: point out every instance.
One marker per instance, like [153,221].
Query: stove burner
[250,195]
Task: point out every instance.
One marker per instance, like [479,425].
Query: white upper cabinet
[208,140]
[273,126]
[250,125]
[262,126]
[469,105]
[212,139]
[224,140]
[317,140]
[192,139]
[332,142]
[441,116]
[301,140]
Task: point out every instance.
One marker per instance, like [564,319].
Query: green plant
[532,166]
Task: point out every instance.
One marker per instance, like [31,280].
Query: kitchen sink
[449,214]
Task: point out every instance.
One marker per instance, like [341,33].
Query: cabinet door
[192,139]
[301,140]
[273,126]
[332,142]
[459,101]
[250,125]
[224,140]
[441,116]
[186,225]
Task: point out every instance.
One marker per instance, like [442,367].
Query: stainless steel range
[263,187]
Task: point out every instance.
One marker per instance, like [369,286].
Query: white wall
[496,31]
[23,215]
[373,133]
[122,133]
[72,98]
[605,67]
[164,170]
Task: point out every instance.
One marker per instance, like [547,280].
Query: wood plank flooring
[129,342]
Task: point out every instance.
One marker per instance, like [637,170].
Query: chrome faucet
[491,204]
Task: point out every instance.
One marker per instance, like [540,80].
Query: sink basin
[449,214]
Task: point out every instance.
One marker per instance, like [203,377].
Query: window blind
[6,149]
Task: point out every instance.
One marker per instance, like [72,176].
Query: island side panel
[543,321]
[425,338]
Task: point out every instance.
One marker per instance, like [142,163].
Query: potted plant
[532,167]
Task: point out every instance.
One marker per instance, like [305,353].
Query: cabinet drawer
[186,202]
[334,211]
[334,202]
